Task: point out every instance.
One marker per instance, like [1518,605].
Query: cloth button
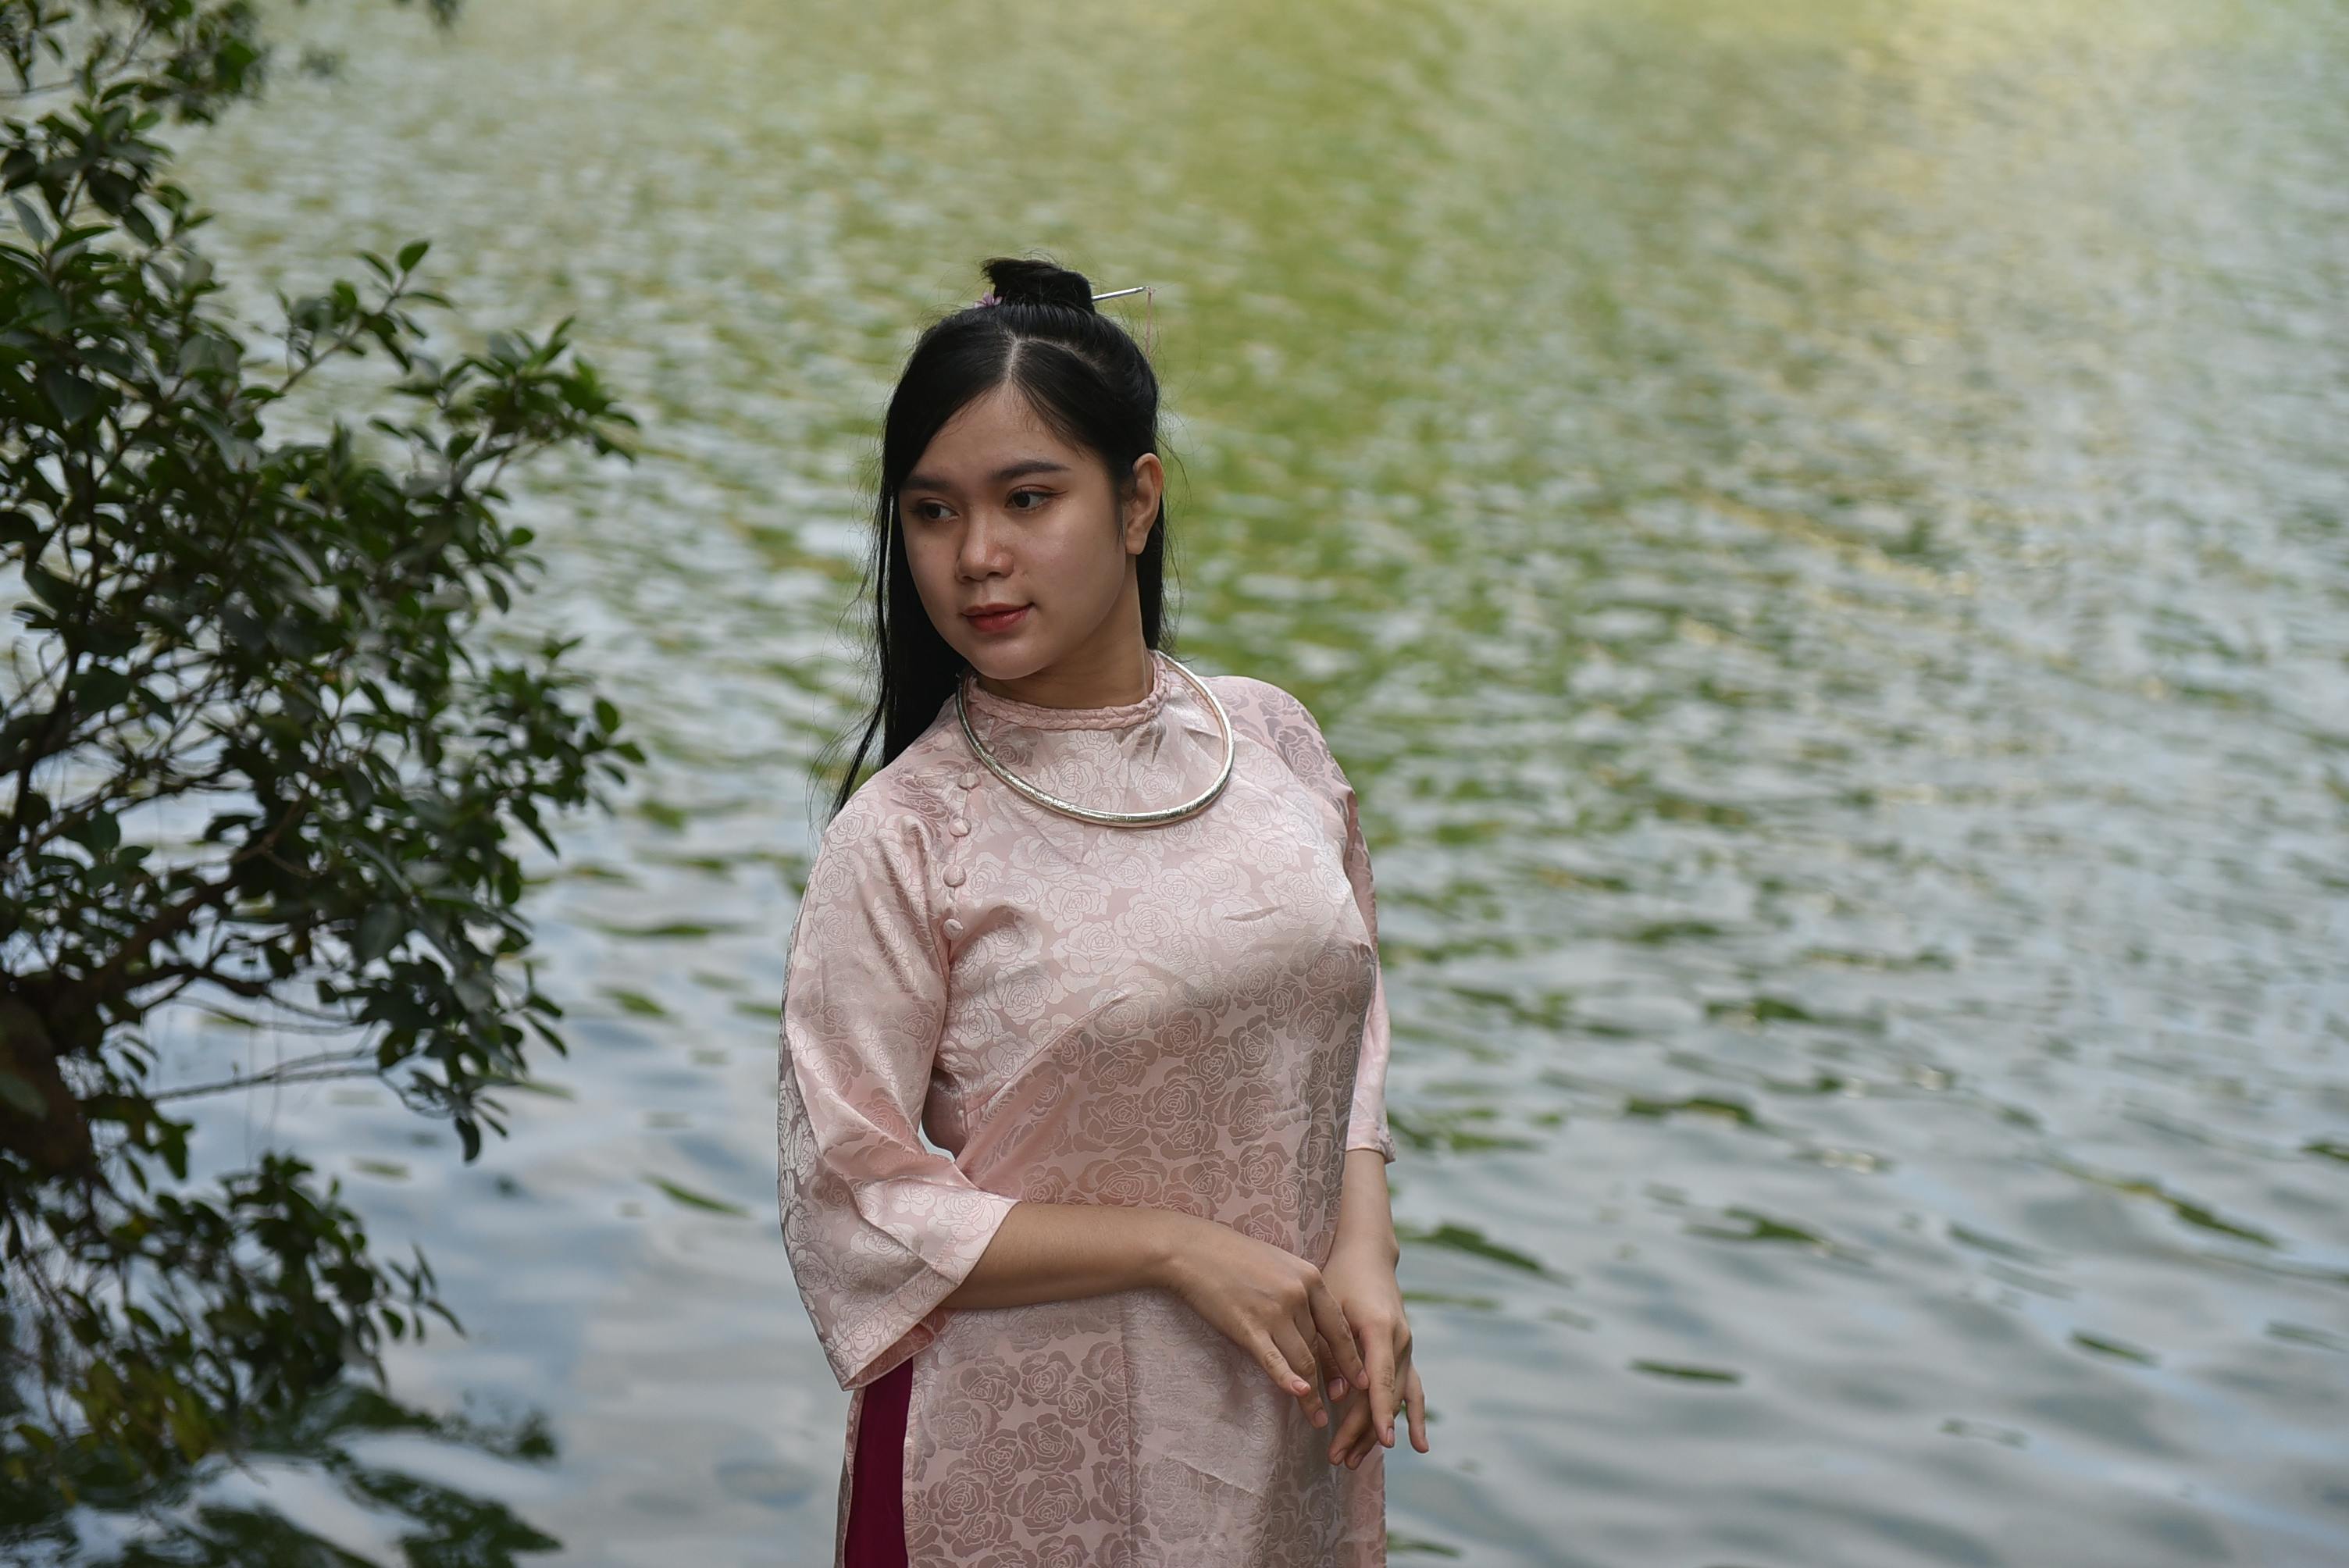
[969,781]
[959,827]
[954,876]
[953,927]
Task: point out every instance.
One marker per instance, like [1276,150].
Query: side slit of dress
[876,1506]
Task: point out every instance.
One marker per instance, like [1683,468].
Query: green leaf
[413,253]
[101,832]
[98,689]
[67,393]
[28,215]
[22,1096]
[208,351]
[379,931]
[50,588]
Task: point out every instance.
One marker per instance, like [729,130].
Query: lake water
[1820,532]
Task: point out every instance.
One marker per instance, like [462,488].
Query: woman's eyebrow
[1004,475]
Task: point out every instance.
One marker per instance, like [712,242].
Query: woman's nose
[983,544]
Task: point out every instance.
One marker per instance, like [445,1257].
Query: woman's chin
[1004,660]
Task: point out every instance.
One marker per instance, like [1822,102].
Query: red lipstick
[996,617]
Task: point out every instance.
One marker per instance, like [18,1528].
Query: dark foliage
[251,760]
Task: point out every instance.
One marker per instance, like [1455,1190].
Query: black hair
[1086,380]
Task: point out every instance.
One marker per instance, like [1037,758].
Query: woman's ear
[1144,489]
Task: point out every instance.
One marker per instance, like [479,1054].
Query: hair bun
[1017,280]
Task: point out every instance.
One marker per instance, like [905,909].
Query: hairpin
[991,297]
[1149,292]
[1150,318]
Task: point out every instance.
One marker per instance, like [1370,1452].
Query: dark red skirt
[877,1508]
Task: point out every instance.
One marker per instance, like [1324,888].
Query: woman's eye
[1042,497]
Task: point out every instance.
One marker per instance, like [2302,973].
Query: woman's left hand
[1364,1281]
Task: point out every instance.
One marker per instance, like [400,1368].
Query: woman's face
[1000,511]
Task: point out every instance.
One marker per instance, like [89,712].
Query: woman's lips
[1000,620]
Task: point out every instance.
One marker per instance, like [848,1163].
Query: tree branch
[304,1070]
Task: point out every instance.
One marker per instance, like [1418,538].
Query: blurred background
[1818,532]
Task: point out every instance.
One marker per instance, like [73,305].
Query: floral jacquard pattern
[987,1003]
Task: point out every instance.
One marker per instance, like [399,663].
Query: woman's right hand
[1271,1304]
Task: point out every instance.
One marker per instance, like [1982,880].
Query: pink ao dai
[1187,1017]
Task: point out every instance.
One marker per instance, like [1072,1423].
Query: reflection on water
[1818,532]
[357,1479]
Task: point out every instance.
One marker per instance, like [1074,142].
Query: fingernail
[1337,1387]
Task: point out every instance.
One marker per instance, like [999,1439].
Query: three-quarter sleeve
[880,1228]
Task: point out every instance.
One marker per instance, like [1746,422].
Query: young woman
[1104,930]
